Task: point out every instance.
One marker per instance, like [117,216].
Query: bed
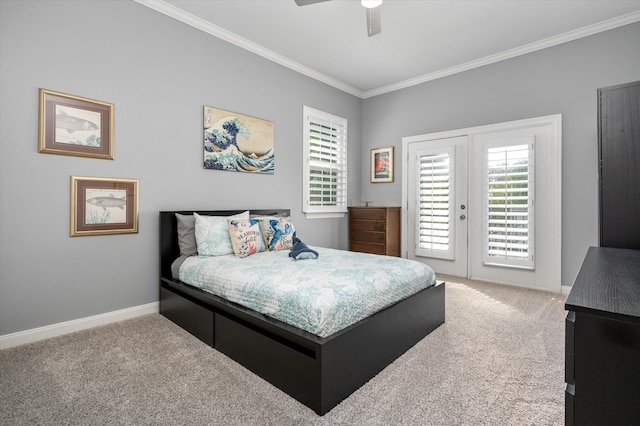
[317,370]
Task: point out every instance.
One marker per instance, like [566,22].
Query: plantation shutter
[509,225]
[435,204]
[326,164]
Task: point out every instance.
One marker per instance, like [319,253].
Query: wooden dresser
[602,347]
[375,230]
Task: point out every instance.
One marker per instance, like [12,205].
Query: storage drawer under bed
[190,315]
[285,365]
[290,366]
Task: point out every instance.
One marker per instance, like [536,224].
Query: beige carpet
[498,360]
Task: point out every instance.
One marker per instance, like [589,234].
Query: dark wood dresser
[619,174]
[375,230]
[602,352]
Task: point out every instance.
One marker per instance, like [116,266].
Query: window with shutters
[508,237]
[435,203]
[325,164]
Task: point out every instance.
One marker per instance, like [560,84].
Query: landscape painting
[237,142]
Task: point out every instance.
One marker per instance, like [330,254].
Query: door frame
[554,163]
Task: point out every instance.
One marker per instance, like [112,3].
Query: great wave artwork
[237,142]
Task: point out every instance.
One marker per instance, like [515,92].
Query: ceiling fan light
[370,4]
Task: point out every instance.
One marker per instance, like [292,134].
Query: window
[435,203]
[325,164]
[509,224]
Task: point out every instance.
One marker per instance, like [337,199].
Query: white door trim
[554,163]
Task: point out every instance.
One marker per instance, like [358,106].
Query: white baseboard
[54,330]
[566,289]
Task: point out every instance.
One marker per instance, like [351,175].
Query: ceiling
[420,40]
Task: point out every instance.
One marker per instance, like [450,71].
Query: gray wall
[562,79]
[159,73]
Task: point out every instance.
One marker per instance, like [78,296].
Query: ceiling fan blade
[306,2]
[373,21]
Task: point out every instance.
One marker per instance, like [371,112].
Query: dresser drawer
[569,345]
[357,225]
[569,405]
[368,247]
[368,237]
[368,214]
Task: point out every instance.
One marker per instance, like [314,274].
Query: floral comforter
[321,296]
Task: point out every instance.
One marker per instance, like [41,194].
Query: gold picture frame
[103,206]
[382,165]
[72,125]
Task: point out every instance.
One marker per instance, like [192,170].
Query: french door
[484,203]
[438,188]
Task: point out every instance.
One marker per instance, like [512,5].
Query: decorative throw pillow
[277,233]
[212,234]
[246,237]
[187,234]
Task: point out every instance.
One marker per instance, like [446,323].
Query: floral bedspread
[321,296]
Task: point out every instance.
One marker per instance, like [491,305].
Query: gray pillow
[187,234]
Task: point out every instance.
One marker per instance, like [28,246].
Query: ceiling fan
[371,8]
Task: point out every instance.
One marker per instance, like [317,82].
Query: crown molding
[207,27]
[216,31]
[508,54]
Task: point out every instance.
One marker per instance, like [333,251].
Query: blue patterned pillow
[277,233]
[212,234]
[246,237]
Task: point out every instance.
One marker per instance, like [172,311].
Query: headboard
[169,249]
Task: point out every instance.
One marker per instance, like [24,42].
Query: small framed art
[382,165]
[71,125]
[103,206]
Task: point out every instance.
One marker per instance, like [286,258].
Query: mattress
[321,296]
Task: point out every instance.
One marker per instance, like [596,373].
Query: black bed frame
[318,372]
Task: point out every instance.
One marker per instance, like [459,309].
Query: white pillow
[212,234]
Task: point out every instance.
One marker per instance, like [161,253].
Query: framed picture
[237,142]
[71,125]
[382,165]
[103,206]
